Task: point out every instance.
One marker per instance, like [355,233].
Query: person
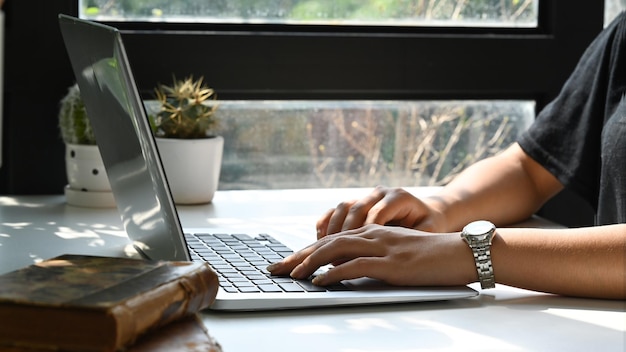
[577,142]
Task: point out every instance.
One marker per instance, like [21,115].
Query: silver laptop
[141,192]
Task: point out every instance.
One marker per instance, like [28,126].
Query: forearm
[583,262]
[504,189]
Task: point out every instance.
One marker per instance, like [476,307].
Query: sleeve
[566,136]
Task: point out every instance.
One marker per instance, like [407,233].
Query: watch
[478,235]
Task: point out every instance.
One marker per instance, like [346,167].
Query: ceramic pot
[85,169]
[88,182]
[192,167]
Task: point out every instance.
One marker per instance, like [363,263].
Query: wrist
[479,236]
[438,207]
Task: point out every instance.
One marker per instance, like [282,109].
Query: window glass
[312,144]
[482,13]
[612,8]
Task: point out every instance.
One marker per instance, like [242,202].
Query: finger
[322,224]
[398,208]
[372,267]
[286,265]
[341,248]
[359,211]
[337,218]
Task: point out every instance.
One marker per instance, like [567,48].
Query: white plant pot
[192,167]
[88,182]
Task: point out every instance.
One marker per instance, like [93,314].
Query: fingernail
[272,267]
[319,279]
[296,273]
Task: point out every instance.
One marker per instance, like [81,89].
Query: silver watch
[478,235]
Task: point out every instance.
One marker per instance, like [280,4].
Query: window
[611,9]
[329,93]
[330,144]
[295,143]
[497,13]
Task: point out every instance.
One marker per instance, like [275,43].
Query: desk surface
[503,319]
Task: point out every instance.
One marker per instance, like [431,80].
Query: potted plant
[185,127]
[88,184]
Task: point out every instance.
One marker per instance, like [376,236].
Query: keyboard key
[270,288]
[337,287]
[238,279]
[309,287]
[281,279]
[242,236]
[233,275]
[240,284]
[262,282]
[291,287]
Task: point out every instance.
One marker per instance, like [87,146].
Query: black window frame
[256,61]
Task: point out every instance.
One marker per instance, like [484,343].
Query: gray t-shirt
[580,137]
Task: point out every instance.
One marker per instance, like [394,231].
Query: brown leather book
[184,335]
[187,334]
[88,303]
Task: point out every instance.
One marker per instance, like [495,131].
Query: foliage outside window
[313,144]
[501,13]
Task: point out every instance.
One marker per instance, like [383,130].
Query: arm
[504,189]
[583,262]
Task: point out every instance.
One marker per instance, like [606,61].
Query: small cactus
[185,112]
[73,121]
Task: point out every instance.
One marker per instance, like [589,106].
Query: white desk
[503,319]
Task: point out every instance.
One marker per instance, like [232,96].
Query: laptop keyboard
[240,261]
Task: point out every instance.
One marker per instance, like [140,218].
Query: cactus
[73,121]
[185,111]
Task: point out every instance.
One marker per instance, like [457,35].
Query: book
[90,303]
[187,334]
[184,335]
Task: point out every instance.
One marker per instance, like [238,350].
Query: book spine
[170,301]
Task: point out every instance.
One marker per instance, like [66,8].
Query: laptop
[143,199]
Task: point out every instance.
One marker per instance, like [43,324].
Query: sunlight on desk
[49,227]
[425,334]
[69,233]
[9,201]
[314,329]
[366,324]
[16,225]
[605,319]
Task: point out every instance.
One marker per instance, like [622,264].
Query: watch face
[478,228]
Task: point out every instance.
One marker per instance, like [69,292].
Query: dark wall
[37,74]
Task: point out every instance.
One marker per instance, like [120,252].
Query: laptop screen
[124,137]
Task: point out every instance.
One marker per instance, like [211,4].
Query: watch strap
[482,257]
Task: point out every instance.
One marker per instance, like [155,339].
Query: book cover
[89,303]
[187,334]
[184,335]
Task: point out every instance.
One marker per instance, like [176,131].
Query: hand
[396,255]
[384,206]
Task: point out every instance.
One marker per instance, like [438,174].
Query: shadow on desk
[31,231]
[541,301]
